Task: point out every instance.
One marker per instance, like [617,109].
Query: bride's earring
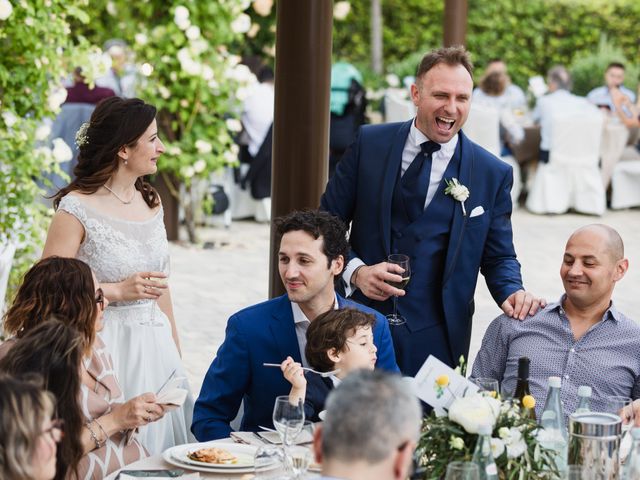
[126,163]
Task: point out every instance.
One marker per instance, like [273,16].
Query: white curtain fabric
[572,178]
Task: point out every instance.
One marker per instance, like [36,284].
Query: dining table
[157,462]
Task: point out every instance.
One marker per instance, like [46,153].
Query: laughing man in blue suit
[391,185]
[313,248]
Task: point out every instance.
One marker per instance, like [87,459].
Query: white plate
[178,456]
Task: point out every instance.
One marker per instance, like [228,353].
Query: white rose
[146,69]
[193,32]
[263,7]
[456,443]
[199,166]
[180,13]
[44,152]
[183,24]
[472,411]
[57,98]
[141,38]
[233,124]
[393,80]
[341,10]
[229,157]
[516,449]
[199,45]
[460,192]
[235,149]
[9,118]
[253,31]
[43,132]
[28,21]
[207,73]
[112,9]
[164,91]
[213,85]
[241,24]
[5,9]
[187,172]
[242,93]
[203,146]
[497,447]
[173,150]
[61,151]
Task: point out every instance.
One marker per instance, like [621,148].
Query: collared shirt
[559,102]
[601,96]
[605,358]
[512,98]
[302,324]
[257,115]
[439,162]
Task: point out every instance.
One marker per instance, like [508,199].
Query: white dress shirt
[439,163]
[302,324]
[257,114]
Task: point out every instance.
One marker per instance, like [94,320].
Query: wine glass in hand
[161,281]
[403,261]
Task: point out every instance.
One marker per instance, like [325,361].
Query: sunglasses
[100,298]
[56,430]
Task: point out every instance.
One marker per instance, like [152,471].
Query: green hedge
[530,35]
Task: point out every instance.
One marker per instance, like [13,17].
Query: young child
[336,340]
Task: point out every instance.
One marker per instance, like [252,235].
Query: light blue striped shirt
[606,358]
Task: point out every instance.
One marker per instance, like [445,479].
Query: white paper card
[440,398]
[173,393]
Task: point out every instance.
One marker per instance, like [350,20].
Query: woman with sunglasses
[27,441]
[110,217]
[102,426]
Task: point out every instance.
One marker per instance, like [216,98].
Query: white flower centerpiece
[514,443]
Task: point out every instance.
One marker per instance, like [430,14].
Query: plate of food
[212,457]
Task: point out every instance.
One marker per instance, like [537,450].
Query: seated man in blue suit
[423,189]
[313,248]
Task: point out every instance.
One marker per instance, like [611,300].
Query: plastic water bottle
[482,455]
[584,399]
[631,468]
[554,434]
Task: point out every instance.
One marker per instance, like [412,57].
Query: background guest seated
[582,338]
[66,289]
[312,250]
[28,436]
[371,429]
[613,79]
[558,101]
[337,340]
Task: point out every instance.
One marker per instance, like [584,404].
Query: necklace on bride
[126,202]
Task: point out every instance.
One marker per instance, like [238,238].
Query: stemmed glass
[487,386]
[462,471]
[269,463]
[288,420]
[403,261]
[163,267]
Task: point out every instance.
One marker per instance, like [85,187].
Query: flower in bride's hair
[81,135]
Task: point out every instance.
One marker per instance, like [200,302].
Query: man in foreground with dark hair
[371,429]
[423,189]
[313,246]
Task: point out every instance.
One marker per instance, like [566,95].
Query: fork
[307,369]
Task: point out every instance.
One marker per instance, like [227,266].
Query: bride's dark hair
[115,122]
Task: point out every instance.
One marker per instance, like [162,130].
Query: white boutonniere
[458,191]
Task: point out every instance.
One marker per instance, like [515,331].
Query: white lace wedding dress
[144,356]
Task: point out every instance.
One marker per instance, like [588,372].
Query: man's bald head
[614,244]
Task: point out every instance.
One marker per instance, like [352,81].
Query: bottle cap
[555,382]
[487,429]
[584,391]
[523,368]
[635,433]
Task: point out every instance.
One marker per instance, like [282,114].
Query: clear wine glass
[288,420]
[269,463]
[403,261]
[300,460]
[487,386]
[162,266]
[462,471]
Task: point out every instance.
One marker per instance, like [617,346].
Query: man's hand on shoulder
[520,304]
[371,280]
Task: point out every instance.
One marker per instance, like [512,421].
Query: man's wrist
[354,276]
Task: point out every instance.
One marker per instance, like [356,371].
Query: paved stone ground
[209,285]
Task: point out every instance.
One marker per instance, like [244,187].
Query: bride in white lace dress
[112,219]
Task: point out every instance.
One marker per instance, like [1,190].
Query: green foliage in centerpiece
[514,444]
